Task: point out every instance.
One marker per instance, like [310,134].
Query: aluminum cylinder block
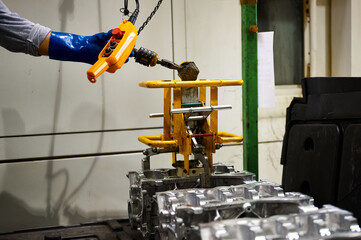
[181,211]
[328,222]
[143,205]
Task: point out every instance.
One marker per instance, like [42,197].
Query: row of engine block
[198,199]
[165,206]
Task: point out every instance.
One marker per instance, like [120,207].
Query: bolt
[253,29]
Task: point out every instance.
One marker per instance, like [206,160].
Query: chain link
[150,16]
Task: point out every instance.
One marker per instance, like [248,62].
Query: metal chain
[150,16]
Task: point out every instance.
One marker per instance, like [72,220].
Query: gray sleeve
[18,34]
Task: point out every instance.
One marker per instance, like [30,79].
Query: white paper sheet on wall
[266,76]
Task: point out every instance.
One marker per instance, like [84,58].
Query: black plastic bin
[321,152]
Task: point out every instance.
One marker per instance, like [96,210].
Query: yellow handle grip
[225,137]
[156,141]
[96,70]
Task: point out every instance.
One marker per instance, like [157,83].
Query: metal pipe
[196,118]
[156,115]
[200,109]
[194,141]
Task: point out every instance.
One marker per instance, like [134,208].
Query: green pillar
[250,86]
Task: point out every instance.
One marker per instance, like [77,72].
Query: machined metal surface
[143,205]
[181,211]
[328,222]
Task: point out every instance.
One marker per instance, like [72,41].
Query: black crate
[321,152]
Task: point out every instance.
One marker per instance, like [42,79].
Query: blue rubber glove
[76,48]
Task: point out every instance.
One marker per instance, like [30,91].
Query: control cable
[134,15]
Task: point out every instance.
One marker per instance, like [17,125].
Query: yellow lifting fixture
[177,133]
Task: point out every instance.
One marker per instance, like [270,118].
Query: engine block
[328,222]
[143,205]
[181,211]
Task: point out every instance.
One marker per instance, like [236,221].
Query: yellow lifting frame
[195,83]
[180,138]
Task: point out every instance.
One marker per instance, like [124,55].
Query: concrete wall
[68,144]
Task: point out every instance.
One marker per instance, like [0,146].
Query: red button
[117,33]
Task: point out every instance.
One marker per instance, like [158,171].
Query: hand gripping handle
[116,51]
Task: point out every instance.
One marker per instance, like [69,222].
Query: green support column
[250,86]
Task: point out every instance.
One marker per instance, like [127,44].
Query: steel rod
[200,109]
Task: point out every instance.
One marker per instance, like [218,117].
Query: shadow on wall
[15,212]
[76,215]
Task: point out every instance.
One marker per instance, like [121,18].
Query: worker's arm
[44,46]
[21,35]
[18,34]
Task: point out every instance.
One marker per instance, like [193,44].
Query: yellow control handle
[116,51]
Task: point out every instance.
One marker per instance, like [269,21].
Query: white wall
[48,109]
[341,38]
[332,38]
[318,35]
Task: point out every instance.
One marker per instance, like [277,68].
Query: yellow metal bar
[229,137]
[166,112]
[176,118]
[156,141]
[196,83]
[203,95]
[214,114]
